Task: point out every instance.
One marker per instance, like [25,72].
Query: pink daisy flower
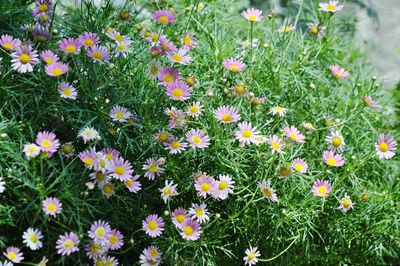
[52,206]
[110,154]
[234,65]
[197,138]
[118,37]
[175,145]
[223,187]
[155,51]
[199,212]
[252,255]
[177,118]
[120,114]
[47,141]
[9,43]
[276,144]
[24,58]
[168,75]
[335,141]
[178,90]
[56,69]
[95,250]
[331,159]
[88,158]
[204,186]
[100,232]
[152,253]
[246,133]
[369,102]
[167,46]
[99,54]
[195,109]
[67,91]
[67,243]
[132,184]
[300,165]
[88,39]
[115,240]
[121,169]
[70,45]
[180,57]
[321,188]
[168,191]
[190,230]
[189,41]
[227,114]
[385,146]
[14,254]
[267,191]
[338,72]
[42,7]
[331,6]
[179,216]
[252,14]
[153,225]
[164,17]
[294,134]
[49,57]
[152,168]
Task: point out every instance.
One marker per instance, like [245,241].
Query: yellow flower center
[383,147]
[163,19]
[163,136]
[247,134]
[284,171]
[153,69]
[186,40]
[287,29]
[100,176]
[119,115]
[331,7]
[97,55]
[292,136]
[196,140]
[47,143]
[33,238]
[205,187]
[119,38]
[275,145]
[11,255]
[226,117]
[57,72]
[43,8]
[331,162]
[233,68]
[251,256]
[119,170]
[298,167]
[180,218]
[95,248]
[100,232]
[32,149]
[67,149]
[252,17]
[166,191]
[177,93]
[109,156]
[199,212]
[314,30]
[68,244]
[8,46]
[153,168]
[70,48]
[88,42]
[222,185]
[51,207]
[153,253]
[152,225]
[175,145]
[346,203]
[278,108]
[88,161]
[108,188]
[129,182]
[267,192]
[177,57]
[113,240]
[194,109]
[24,58]
[100,263]
[336,141]
[188,230]
[154,38]
[67,92]
[240,89]
[168,78]
[322,190]
[49,60]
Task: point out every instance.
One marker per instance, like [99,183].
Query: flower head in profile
[32,238]
[321,188]
[286,28]
[338,72]
[31,150]
[99,54]
[385,146]
[168,191]
[246,133]
[335,141]
[88,39]
[178,90]
[252,255]
[234,65]
[67,243]
[88,134]
[267,191]
[56,69]
[14,254]
[191,230]
[24,58]
[331,6]
[294,134]
[153,225]
[197,138]
[164,16]
[47,142]
[199,212]
[52,206]
[346,204]
[189,41]
[67,91]
[9,43]
[227,114]
[181,56]
[278,110]
[252,14]
[332,159]
[70,45]
[300,165]
[369,102]
[316,29]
